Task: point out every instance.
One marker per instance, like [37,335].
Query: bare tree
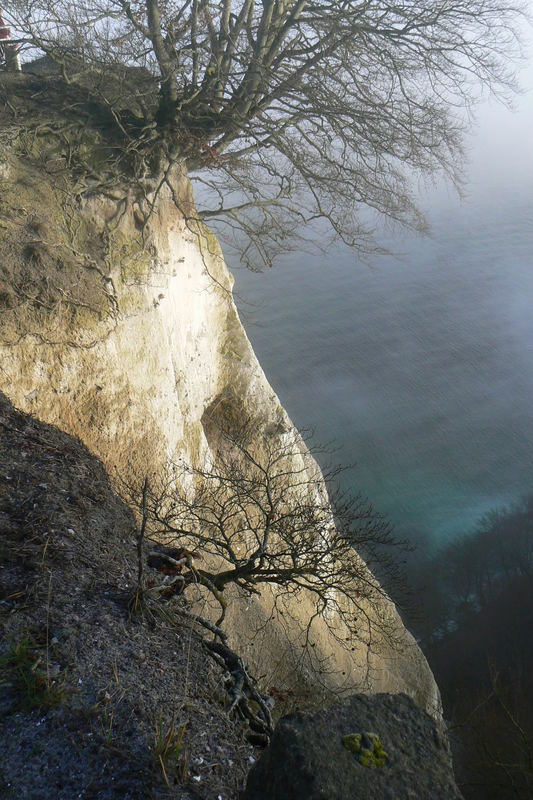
[492,731]
[255,519]
[286,111]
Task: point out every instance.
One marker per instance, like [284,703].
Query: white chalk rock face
[124,333]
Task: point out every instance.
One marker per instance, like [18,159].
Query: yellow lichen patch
[368,749]
[352,742]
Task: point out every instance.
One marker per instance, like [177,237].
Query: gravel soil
[94,701]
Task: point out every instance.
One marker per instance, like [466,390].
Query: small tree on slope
[257,519]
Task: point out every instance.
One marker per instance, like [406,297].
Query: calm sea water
[420,367]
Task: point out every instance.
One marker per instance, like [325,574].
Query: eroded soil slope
[94,702]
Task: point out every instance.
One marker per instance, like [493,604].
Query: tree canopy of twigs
[255,519]
[286,111]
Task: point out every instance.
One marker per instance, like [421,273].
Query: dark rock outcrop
[380,746]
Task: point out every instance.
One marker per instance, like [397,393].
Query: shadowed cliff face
[124,333]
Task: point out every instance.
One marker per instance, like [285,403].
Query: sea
[418,367]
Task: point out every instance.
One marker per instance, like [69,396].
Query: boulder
[368,746]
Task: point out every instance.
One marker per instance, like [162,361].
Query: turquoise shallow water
[420,367]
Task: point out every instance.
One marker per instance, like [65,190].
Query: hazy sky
[501,143]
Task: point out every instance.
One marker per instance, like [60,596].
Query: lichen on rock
[312,758]
[367,747]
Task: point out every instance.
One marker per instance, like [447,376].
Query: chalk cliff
[124,333]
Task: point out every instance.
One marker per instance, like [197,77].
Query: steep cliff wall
[124,332]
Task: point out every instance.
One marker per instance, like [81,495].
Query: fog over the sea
[420,367]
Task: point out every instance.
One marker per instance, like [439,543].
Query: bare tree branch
[354,100]
[266,519]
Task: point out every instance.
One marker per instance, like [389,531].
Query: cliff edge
[118,326]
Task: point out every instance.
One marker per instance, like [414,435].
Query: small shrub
[19,670]
[168,747]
